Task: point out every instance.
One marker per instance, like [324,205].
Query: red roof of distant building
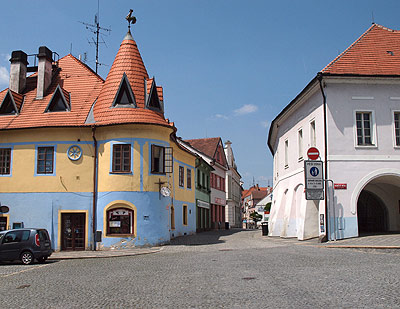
[205,145]
[376,52]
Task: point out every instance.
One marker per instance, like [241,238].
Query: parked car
[25,245]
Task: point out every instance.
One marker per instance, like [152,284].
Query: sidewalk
[66,255]
[383,241]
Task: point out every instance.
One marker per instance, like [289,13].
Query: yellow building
[93,161]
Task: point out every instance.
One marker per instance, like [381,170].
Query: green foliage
[255,216]
[267,207]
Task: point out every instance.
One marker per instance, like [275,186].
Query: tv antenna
[97,30]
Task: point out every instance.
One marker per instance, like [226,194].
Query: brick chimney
[18,71]
[44,71]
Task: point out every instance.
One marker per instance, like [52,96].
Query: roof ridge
[85,66]
[386,28]
[349,48]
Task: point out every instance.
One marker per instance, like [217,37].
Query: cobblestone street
[227,269]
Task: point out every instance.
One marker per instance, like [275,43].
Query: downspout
[320,77]
[95,169]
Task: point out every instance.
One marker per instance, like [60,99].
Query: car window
[43,235]
[1,236]
[12,237]
[25,235]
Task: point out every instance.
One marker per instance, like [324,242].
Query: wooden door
[73,231]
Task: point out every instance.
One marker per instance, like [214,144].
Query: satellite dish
[4,209]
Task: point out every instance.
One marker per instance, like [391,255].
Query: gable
[8,106]
[58,102]
[153,100]
[124,96]
[219,154]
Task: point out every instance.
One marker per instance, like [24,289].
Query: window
[5,161]
[313,138]
[203,182]
[57,102]
[185,215]
[364,130]
[300,142]
[124,96]
[208,183]
[120,221]
[16,236]
[45,160]
[181,176]
[169,159]
[121,161]
[189,178]
[198,179]
[286,153]
[397,128]
[157,159]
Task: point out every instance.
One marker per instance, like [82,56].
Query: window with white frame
[364,128]
[300,143]
[313,137]
[397,128]
[286,153]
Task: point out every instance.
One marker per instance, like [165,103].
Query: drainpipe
[325,153]
[95,169]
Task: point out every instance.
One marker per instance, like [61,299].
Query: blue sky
[228,67]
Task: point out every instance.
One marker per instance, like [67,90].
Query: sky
[228,67]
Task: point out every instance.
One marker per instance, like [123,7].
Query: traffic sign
[313,153]
[313,174]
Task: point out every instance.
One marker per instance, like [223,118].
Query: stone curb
[102,254]
[359,247]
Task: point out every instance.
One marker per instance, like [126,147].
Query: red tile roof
[376,52]
[207,146]
[128,61]
[78,81]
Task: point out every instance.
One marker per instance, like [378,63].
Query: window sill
[366,147]
[120,235]
[121,173]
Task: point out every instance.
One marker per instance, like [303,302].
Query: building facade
[350,112]
[203,190]
[233,213]
[95,162]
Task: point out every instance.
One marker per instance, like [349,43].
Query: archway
[371,214]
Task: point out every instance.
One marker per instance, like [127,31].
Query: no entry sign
[313,153]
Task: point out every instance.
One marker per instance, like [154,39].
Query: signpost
[314,176]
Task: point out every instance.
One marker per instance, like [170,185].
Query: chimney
[18,71]
[44,71]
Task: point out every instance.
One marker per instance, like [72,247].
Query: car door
[10,245]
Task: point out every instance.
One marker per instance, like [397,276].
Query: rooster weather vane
[130,19]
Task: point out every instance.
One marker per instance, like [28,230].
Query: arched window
[120,221]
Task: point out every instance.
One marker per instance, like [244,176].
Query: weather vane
[130,19]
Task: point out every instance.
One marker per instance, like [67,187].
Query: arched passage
[378,205]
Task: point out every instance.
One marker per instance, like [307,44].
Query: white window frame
[300,144]
[313,133]
[286,153]
[394,128]
[373,129]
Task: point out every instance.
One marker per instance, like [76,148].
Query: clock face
[74,152]
[165,191]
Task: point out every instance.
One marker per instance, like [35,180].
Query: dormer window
[58,103]
[124,96]
[8,106]
[153,101]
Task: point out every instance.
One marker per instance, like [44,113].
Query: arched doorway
[371,214]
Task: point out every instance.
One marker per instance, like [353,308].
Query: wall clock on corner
[74,152]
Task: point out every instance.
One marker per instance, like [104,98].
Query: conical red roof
[128,61]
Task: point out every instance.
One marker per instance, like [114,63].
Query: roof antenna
[96,29]
[373,19]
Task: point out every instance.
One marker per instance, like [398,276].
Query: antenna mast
[96,29]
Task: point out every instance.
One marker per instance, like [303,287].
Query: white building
[351,112]
[233,189]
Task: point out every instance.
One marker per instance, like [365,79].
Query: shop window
[185,215]
[121,162]
[45,160]
[5,161]
[120,221]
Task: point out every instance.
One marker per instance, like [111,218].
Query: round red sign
[313,153]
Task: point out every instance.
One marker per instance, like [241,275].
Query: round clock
[74,152]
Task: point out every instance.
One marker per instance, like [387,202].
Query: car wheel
[27,258]
[42,259]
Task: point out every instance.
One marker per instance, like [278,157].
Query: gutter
[320,78]
[95,170]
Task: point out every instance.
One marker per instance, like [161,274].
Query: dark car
[25,245]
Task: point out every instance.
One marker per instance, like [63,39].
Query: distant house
[250,198]
[263,207]
[95,162]
[350,111]
[212,151]
[233,213]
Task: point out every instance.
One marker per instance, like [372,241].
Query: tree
[256,217]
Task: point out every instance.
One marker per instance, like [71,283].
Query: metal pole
[333,207]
